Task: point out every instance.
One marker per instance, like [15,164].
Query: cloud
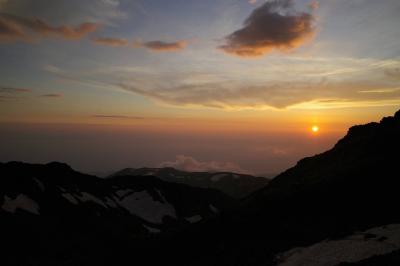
[15,28]
[253,2]
[11,31]
[52,95]
[111,41]
[314,5]
[277,95]
[60,12]
[273,26]
[393,73]
[10,90]
[111,2]
[158,46]
[221,95]
[118,117]
[190,164]
[161,46]
[11,93]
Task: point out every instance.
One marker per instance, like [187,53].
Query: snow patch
[123,193]
[152,229]
[22,202]
[70,198]
[194,219]
[356,247]
[143,205]
[89,197]
[111,202]
[235,176]
[161,196]
[217,177]
[213,209]
[40,184]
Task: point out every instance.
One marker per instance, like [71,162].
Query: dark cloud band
[161,46]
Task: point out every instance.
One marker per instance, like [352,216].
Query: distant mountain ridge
[153,205]
[233,184]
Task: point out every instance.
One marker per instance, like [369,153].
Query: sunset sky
[219,84]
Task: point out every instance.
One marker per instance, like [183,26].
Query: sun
[315,129]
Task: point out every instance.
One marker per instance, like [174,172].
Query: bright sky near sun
[200,66]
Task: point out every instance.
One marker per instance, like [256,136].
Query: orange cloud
[111,41]
[10,31]
[161,46]
[273,26]
[15,28]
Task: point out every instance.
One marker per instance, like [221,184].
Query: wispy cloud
[116,42]
[383,90]
[161,46]
[393,73]
[13,93]
[104,12]
[118,117]
[52,95]
[15,28]
[277,95]
[190,164]
[79,78]
[10,90]
[273,26]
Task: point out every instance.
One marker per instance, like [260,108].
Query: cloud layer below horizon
[190,164]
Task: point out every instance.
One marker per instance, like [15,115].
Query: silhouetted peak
[397,115]
[59,166]
[363,132]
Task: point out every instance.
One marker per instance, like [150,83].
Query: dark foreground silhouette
[52,215]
